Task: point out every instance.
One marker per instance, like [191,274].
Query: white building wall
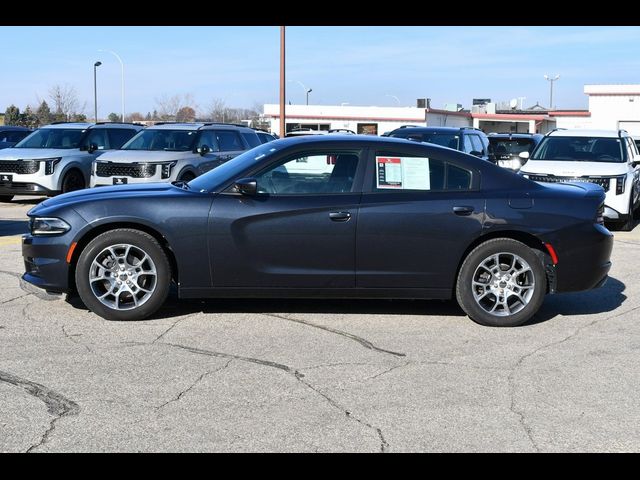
[346,116]
[612,104]
[447,120]
[573,122]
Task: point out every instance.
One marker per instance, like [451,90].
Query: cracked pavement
[327,376]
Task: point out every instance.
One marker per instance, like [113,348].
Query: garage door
[631,126]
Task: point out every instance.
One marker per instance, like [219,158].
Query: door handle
[463,210]
[340,216]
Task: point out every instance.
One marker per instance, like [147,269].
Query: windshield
[53,138]
[231,170]
[444,139]
[580,149]
[162,140]
[511,147]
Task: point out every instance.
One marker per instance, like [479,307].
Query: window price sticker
[408,173]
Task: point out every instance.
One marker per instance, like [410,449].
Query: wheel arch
[83,241]
[528,239]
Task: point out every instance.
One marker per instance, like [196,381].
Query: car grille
[603,182]
[22,167]
[144,170]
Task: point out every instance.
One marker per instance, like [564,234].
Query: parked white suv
[57,158]
[166,152]
[608,158]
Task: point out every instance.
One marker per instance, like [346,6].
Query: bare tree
[169,106]
[65,102]
[217,111]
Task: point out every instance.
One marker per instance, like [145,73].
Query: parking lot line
[14,240]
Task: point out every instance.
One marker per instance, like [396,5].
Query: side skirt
[388,293]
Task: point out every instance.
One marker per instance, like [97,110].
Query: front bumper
[45,262]
[98,181]
[26,188]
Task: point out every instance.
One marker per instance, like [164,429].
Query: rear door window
[251,139]
[229,141]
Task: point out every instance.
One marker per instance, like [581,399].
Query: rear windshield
[53,138]
[580,149]
[514,146]
[162,140]
[450,140]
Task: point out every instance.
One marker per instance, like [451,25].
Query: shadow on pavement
[13,227]
[602,300]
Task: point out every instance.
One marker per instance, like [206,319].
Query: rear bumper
[584,258]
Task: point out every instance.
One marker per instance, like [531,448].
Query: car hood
[30,153]
[141,156]
[573,169]
[128,192]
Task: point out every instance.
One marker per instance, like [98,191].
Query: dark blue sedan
[346,216]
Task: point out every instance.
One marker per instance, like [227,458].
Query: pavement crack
[172,327]
[190,387]
[57,405]
[365,343]
[70,337]
[511,378]
[11,274]
[388,370]
[299,376]
[15,298]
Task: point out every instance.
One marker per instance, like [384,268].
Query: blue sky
[358,65]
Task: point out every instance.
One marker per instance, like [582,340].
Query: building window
[368,128]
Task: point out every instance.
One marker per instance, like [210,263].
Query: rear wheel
[501,283]
[123,274]
[5,198]
[73,180]
[627,226]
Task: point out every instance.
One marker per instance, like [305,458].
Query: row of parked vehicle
[64,157]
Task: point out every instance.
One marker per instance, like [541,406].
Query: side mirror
[247,186]
[92,148]
[635,163]
[204,149]
[524,155]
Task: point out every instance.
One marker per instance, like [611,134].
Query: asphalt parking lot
[317,376]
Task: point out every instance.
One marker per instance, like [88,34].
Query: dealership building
[611,107]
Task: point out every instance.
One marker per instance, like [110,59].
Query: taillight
[600,214]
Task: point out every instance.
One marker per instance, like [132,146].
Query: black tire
[73,180]
[471,266]
[6,198]
[628,225]
[187,177]
[138,240]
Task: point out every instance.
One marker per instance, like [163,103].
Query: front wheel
[502,283]
[123,274]
[72,181]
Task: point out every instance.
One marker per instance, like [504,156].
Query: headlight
[50,164]
[620,183]
[48,226]
[166,168]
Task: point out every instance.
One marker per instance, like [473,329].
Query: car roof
[345,138]
[435,129]
[587,133]
[196,126]
[78,125]
[514,135]
[14,127]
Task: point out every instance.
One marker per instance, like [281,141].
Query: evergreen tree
[12,115]
[114,117]
[43,114]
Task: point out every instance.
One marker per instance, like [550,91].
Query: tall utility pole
[95,90]
[551,80]
[282,85]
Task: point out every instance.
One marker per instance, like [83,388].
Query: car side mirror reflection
[204,149]
[92,148]
[524,155]
[247,186]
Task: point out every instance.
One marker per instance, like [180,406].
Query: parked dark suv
[507,147]
[10,135]
[466,139]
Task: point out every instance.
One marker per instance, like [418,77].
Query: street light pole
[308,92]
[551,80]
[122,71]
[282,84]
[95,89]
